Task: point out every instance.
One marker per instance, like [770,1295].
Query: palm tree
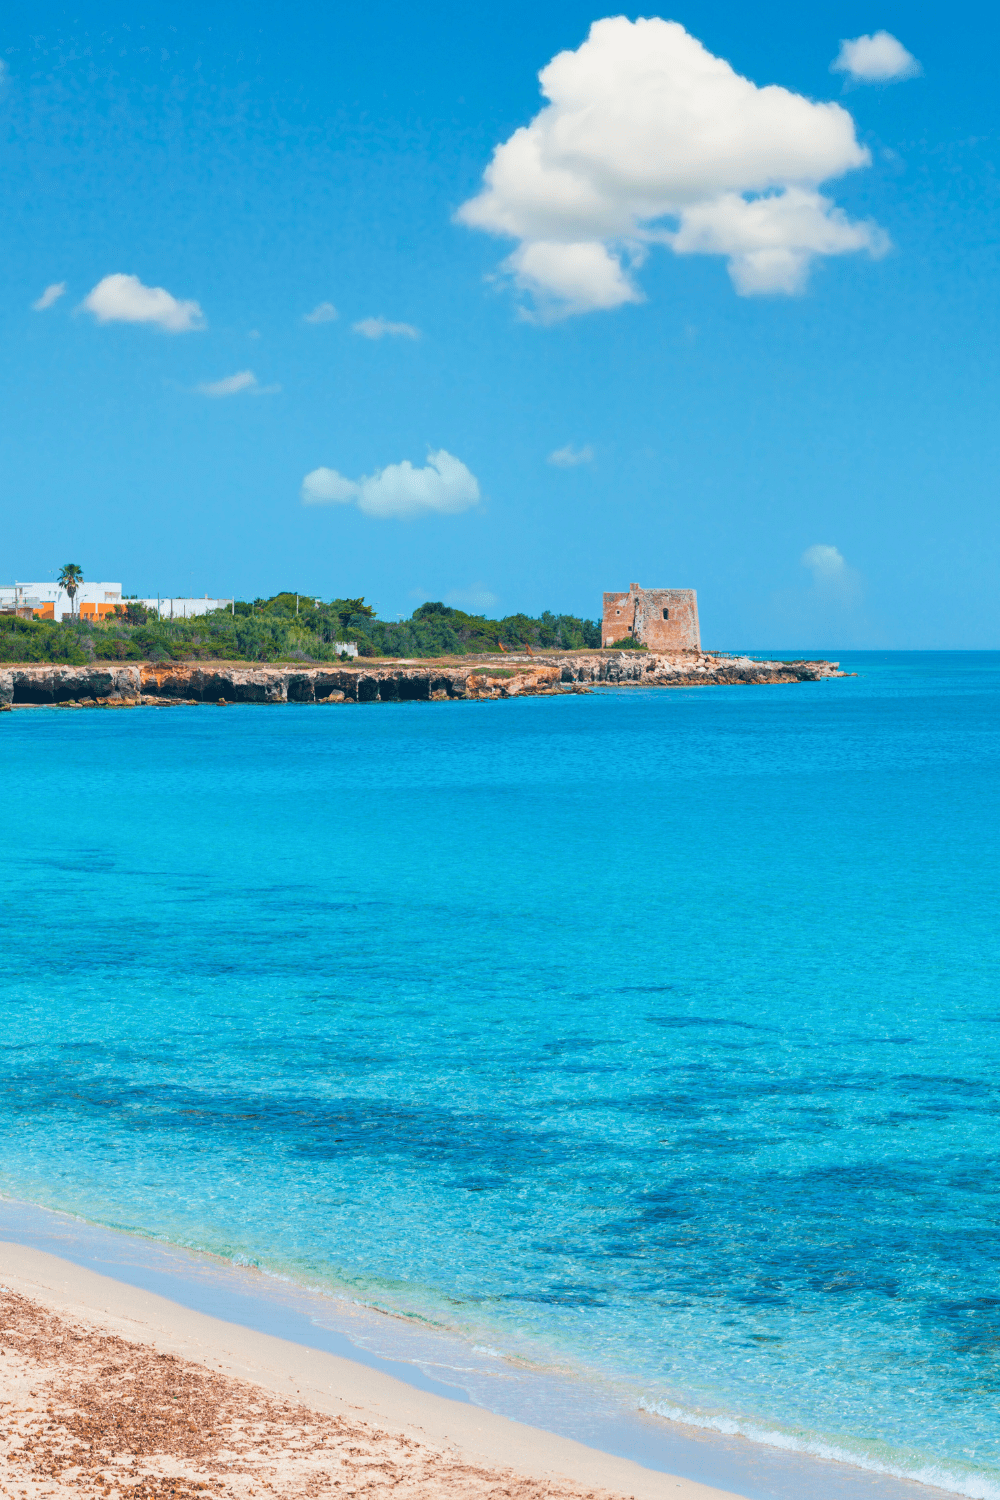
[70,579]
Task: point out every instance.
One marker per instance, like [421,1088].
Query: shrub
[116,648]
[132,612]
[39,640]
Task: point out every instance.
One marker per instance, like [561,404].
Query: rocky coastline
[151,684]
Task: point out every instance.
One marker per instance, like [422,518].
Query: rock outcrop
[133,684]
[690,669]
[101,682]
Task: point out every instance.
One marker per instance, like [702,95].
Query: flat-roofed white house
[184,609]
[47,601]
[94,601]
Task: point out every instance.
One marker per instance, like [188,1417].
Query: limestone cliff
[134,684]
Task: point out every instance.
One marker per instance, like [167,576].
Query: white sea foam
[956,1479]
[916,1468]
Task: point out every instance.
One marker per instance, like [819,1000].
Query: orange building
[95,611]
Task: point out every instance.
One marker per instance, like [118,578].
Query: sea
[644,1045]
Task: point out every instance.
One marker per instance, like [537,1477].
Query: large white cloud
[875,59]
[649,138]
[124,299]
[444,487]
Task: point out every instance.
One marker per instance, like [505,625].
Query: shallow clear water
[653,1033]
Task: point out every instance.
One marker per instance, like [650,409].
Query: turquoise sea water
[650,1034]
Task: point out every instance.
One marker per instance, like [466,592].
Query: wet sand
[110,1391]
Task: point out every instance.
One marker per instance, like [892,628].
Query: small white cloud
[825,561]
[569,457]
[646,138]
[232,385]
[50,295]
[124,299]
[378,328]
[327,487]
[323,312]
[477,598]
[254,333]
[875,59]
[834,580]
[444,487]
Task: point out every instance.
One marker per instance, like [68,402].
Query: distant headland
[292,648]
[152,684]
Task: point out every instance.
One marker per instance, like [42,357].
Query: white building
[48,601]
[95,601]
[184,609]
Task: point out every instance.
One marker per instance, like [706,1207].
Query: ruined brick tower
[662,619]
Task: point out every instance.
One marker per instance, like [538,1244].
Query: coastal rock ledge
[140,683]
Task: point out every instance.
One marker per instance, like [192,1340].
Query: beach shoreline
[455,1448]
[235,1320]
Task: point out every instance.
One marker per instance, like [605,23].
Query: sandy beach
[110,1391]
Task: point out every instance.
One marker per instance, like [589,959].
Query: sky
[508,307]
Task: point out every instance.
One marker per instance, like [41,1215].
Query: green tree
[132,612]
[348,609]
[70,579]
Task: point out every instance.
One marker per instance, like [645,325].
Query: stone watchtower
[662,619]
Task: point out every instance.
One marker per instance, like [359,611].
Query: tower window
[666,614]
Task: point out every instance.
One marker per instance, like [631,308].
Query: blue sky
[809,440]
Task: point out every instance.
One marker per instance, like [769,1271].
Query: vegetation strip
[287,627]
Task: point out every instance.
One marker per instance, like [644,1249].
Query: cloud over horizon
[833,578]
[49,297]
[477,598]
[124,299]
[875,59]
[378,328]
[444,487]
[646,139]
